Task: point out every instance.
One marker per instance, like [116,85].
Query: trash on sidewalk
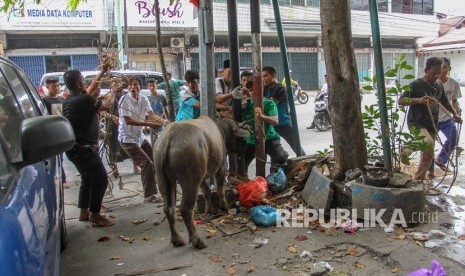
[254,192]
[389,229]
[350,226]
[305,254]
[264,215]
[436,270]
[259,242]
[324,265]
[229,225]
[277,181]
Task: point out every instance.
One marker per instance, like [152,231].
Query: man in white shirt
[223,89]
[133,109]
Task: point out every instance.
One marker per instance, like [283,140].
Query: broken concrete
[318,190]
[410,200]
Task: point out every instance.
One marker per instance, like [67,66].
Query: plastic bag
[436,270]
[264,215]
[253,193]
[277,181]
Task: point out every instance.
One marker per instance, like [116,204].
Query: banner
[141,13]
[53,15]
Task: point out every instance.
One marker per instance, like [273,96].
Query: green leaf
[368,79]
[408,67]
[409,77]
[368,88]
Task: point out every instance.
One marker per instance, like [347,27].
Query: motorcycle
[299,95]
[321,118]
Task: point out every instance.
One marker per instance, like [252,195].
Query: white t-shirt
[452,89]
[219,89]
[137,109]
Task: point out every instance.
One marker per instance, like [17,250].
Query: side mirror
[45,136]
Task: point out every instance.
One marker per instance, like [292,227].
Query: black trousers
[93,175]
[286,133]
[273,148]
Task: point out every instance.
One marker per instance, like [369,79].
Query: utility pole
[119,34]
[126,42]
[206,42]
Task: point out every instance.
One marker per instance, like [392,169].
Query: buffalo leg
[187,206]
[169,207]
[207,196]
[220,179]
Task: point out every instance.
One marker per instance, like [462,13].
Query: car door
[28,210]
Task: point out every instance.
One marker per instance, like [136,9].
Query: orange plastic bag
[254,192]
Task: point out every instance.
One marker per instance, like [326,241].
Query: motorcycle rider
[293,82]
[324,90]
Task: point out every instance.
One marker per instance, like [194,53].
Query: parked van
[43,91]
[105,88]
[143,75]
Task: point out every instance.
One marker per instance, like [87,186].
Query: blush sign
[141,13]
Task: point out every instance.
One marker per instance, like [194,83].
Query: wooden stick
[155,270]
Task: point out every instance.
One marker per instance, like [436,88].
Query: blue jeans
[450,132]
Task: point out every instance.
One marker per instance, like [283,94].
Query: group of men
[131,112]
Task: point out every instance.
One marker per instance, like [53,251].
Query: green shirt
[269,109]
[175,86]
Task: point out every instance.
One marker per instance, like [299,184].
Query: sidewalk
[135,244]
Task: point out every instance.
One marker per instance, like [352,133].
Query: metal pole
[236,163]
[290,96]
[380,85]
[257,84]
[126,42]
[207,39]
[119,34]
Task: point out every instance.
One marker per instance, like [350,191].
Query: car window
[157,78]
[7,179]
[33,92]
[27,107]
[10,120]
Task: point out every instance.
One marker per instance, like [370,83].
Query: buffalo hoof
[199,244]
[177,242]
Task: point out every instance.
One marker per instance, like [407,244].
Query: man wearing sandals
[81,108]
[423,99]
[133,109]
[446,123]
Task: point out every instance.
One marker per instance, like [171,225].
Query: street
[138,243]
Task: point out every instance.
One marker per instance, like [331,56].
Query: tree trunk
[169,95]
[344,95]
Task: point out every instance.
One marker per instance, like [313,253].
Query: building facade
[47,37]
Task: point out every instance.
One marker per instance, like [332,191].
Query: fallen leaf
[419,243]
[115,258]
[328,232]
[394,270]
[128,239]
[401,236]
[103,239]
[359,265]
[301,238]
[352,251]
[209,235]
[212,231]
[216,259]
[462,237]
[139,221]
[292,249]
[231,270]
[145,238]
[251,269]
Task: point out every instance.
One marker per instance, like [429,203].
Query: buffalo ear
[239,132]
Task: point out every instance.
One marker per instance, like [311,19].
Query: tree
[344,105]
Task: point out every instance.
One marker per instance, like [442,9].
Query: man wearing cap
[223,89]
